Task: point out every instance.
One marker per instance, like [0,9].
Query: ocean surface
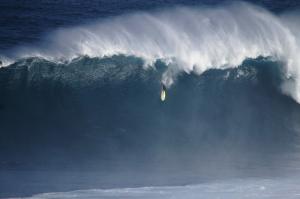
[80,108]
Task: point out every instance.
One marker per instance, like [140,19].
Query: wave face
[187,39]
[96,122]
[108,110]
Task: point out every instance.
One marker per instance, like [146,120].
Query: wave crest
[186,39]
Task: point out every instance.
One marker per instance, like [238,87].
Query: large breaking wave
[186,39]
[87,99]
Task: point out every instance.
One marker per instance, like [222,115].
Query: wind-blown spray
[187,39]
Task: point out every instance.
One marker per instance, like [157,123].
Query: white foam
[5,61]
[188,39]
[232,189]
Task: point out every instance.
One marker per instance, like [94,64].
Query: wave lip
[187,39]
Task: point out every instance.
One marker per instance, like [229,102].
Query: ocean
[80,108]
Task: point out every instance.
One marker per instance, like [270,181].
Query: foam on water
[232,189]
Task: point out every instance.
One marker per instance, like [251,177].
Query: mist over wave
[186,39]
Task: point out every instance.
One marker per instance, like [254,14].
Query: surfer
[163,92]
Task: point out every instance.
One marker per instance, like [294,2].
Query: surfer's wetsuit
[164,87]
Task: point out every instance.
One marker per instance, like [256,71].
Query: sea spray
[186,39]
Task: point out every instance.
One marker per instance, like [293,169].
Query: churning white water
[234,189]
[187,39]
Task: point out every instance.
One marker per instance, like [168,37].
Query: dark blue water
[98,122]
[23,22]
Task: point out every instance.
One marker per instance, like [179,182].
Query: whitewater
[190,40]
[232,189]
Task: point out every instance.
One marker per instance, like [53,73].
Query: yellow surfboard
[163,95]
